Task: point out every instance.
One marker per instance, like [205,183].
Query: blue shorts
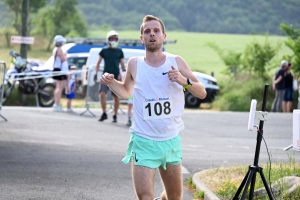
[289,94]
[153,154]
[71,95]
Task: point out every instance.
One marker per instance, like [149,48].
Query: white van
[93,59]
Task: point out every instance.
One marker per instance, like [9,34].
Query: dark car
[212,89]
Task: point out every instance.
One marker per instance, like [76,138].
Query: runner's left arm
[183,74]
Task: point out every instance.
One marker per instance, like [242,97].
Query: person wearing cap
[71,88]
[113,57]
[279,86]
[60,65]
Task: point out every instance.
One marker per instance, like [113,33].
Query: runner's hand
[107,78]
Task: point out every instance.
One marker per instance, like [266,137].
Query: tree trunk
[49,44]
[24,29]
[7,37]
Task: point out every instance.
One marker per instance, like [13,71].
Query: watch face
[190,82]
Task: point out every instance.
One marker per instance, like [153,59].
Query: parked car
[212,89]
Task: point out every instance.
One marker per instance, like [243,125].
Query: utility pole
[24,27]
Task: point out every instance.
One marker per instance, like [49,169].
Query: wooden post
[24,27]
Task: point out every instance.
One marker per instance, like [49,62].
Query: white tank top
[63,66]
[158,102]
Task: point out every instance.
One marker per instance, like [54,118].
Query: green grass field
[191,46]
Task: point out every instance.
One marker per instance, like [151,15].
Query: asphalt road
[47,155]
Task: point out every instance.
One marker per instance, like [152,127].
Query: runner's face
[152,36]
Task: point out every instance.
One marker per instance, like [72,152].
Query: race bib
[157,108]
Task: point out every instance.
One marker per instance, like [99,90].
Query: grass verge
[198,195]
[225,181]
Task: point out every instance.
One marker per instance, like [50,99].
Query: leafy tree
[293,42]
[218,16]
[231,59]
[257,58]
[61,19]
[16,7]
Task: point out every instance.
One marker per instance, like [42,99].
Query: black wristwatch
[189,84]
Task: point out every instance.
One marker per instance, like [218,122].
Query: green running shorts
[153,154]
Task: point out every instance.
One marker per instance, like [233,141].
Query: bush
[236,93]
[18,99]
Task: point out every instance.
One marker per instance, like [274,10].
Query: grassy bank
[224,182]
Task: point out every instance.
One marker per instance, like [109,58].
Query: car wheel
[191,101]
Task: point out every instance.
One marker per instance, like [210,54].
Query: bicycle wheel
[46,95]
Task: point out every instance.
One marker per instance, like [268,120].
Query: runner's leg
[143,179]
[116,104]
[103,101]
[172,179]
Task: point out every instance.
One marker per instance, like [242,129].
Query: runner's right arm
[122,89]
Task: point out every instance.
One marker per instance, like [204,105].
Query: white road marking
[184,170]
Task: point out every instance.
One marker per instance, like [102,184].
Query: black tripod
[253,169]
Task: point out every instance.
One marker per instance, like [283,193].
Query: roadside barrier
[41,74]
[92,93]
[12,75]
[2,80]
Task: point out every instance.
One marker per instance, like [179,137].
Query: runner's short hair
[148,18]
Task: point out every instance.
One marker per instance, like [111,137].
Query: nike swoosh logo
[164,73]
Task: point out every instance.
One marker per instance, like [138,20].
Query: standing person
[129,104]
[71,88]
[298,94]
[278,86]
[129,111]
[113,56]
[60,64]
[156,82]
[289,90]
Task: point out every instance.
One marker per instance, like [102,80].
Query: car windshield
[78,61]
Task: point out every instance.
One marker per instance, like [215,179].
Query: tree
[257,58]
[231,59]
[293,42]
[16,7]
[61,19]
[24,26]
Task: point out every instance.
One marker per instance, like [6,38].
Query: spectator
[129,104]
[71,88]
[289,91]
[129,112]
[60,65]
[278,86]
[113,56]
[298,93]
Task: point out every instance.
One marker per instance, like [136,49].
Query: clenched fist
[107,78]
